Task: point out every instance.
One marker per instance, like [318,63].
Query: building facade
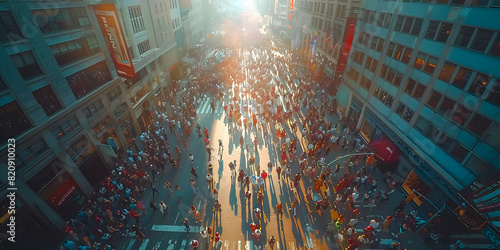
[423,77]
[64,104]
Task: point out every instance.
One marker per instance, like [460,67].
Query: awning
[386,150]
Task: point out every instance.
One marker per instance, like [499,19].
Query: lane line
[144,244]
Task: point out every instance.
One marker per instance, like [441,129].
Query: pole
[340,158]
[430,219]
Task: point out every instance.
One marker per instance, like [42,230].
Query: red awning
[386,150]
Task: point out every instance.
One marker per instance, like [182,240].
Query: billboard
[314,46]
[345,49]
[115,40]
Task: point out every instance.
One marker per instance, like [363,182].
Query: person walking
[278,171]
[185,223]
[191,157]
[279,210]
[152,205]
[387,224]
[257,212]
[293,207]
[140,207]
[271,241]
[194,173]
[192,182]
[163,208]
[179,192]
[168,185]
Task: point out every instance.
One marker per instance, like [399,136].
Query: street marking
[174,228]
[157,246]
[239,245]
[292,245]
[249,245]
[461,236]
[144,244]
[277,245]
[183,244]
[175,222]
[226,244]
[131,244]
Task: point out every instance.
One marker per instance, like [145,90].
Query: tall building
[323,33]
[63,103]
[194,30]
[422,86]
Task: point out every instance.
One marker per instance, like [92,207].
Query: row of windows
[399,52]
[377,43]
[62,130]
[47,99]
[13,121]
[93,109]
[139,75]
[113,94]
[26,65]
[383,96]
[479,40]
[475,3]
[143,47]
[74,50]
[365,83]
[391,75]
[439,31]
[404,112]
[363,38]
[383,20]
[409,25]
[136,19]
[85,81]
[55,20]
[8,28]
[414,88]
[425,62]
[371,64]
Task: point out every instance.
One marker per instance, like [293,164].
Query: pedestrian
[168,185]
[152,205]
[278,171]
[163,208]
[194,173]
[185,222]
[209,179]
[279,210]
[253,227]
[270,167]
[215,194]
[192,182]
[191,157]
[257,212]
[154,190]
[293,207]
[140,207]
[271,241]
[194,244]
[217,207]
[263,175]
[288,172]
[179,192]
[387,223]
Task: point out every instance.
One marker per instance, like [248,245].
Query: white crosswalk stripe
[205,107]
[224,244]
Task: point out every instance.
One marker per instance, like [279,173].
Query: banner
[345,49]
[314,46]
[115,40]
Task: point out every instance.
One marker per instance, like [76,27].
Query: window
[93,109]
[495,49]
[74,50]
[447,71]
[65,128]
[8,28]
[444,32]
[406,55]
[425,127]
[434,99]
[47,99]
[461,114]
[399,110]
[62,19]
[120,111]
[136,19]
[464,36]
[390,49]
[419,62]
[398,52]
[478,124]
[459,152]
[479,85]
[13,121]
[462,77]
[40,180]
[365,83]
[89,79]
[419,91]
[407,24]
[143,47]
[417,26]
[482,3]
[481,40]
[494,95]
[383,96]
[114,94]
[387,20]
[491,138]
[399,23]
[446,106]
[26,65]
[430,66]
[410,86]
[432,29]
[408,114]
[353,74]
[444,142]
[80,150]
[476,165]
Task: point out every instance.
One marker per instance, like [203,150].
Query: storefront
[354,113]
[127,127]
[370,129]
[413,181]
[67,199]
[343,93]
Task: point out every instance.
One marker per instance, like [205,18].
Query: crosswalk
[205,107]
[181,244]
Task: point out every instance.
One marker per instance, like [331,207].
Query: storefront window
[414,182]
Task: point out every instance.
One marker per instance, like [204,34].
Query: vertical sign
[345,49]
[297,39]
[115,40]
[314,46]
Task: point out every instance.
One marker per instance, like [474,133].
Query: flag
[329,37]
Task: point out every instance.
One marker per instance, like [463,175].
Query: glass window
[494,95]
[47,99]
[13,121]
[368,62]
[462,77]
[476,165]
[88,79]
[491,138]
[459,152]
[398,52]
[482,3]
[444,142]
[419,62]
[390,49]
[464,36]
[399,110]
[495,48]
[434,99]
[447,71]
[26,65]
[399,23]
[419,91]
[446,106]
[408,114]
[407,24]
[432,29]
[478,124]
[461,114]
[410,85]
[444,32]
[38,182]
[481,40]
[479,85]
[397,79]
[406,55]
[8,28]
[430,65]
[417,26]
[387,20]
